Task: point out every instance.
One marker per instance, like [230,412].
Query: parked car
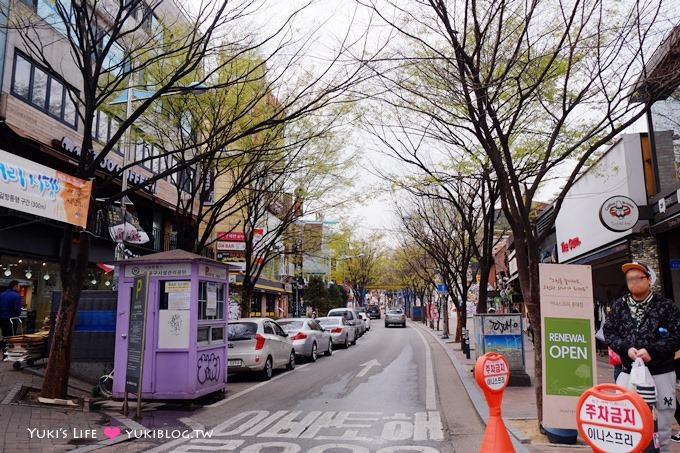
[352,318]
[395,316]
[373,311]
[341,332]
[258,345]
[367,321]
[308,337]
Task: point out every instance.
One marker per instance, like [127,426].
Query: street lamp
[128,97]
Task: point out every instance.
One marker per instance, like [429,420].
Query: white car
[308,337]
[367,321]
[258,345]
[341,332]
[352,318]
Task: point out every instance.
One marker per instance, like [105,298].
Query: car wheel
[346,344]
[386,325]
[355,341]
[291,361]
[329,351]
[314,355]
[268,370]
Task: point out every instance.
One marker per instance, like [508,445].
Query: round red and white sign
[619,213]
[493,372]
[613,419]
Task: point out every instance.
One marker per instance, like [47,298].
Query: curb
[478,400]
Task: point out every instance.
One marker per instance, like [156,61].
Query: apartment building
[39,123]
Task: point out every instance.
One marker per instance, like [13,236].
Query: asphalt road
[395,391]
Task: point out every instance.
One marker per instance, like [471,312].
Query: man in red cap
[646,325]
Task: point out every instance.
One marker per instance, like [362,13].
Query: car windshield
[337,313]
[291,326]
[329,321]
[242,331]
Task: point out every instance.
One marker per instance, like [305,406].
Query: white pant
[665,404]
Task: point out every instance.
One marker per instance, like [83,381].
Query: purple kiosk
[181,298]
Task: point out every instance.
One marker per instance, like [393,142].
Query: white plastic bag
[638,374]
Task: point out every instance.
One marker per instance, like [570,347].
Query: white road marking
[367,366]
[430,397]
[255,387]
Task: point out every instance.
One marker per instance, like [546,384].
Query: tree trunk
[55,383]
[484,271]
[445,312]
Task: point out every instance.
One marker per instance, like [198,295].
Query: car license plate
[234,362]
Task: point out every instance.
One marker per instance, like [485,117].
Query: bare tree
[111,48]
[532,85]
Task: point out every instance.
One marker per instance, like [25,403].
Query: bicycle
[104,386]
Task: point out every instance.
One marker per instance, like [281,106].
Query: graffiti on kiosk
[208,368]
[502,325]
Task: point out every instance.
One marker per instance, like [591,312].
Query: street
[395,391]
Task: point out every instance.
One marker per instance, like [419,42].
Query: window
[210,300]
[42,90]
[102,127]
[268,328]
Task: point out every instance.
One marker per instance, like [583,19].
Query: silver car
[308,337]
[367,321]
[352,318]
[341,332]
[395,316]
[258,345]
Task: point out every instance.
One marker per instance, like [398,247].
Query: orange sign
[613,419]
[492,373]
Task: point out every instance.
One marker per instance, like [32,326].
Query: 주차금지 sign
[569,366]
[612,419]
[33,188]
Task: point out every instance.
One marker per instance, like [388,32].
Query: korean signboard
[612,419]
[33,188]
[503,334]
[569,367]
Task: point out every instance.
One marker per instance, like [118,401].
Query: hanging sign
[619,213]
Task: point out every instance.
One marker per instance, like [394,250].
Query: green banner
[567,347]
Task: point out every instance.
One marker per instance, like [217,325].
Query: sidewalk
[26,426]
[519,403]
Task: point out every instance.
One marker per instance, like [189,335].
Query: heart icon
[111,431]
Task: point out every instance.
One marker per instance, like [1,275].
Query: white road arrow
[367,366]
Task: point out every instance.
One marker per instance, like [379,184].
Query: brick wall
[645,249]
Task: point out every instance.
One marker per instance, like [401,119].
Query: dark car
[373,311]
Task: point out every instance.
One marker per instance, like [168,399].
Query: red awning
[105,267]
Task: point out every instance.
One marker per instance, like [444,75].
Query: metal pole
[120,246]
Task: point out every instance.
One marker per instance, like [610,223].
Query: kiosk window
[175,295]
[211,296]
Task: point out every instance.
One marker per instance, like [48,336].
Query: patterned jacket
[622,332]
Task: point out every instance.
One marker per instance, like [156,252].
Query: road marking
[367,366]
[255,387]
[430,397]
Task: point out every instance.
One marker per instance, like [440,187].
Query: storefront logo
[113,168]
[619,213]
[570,244]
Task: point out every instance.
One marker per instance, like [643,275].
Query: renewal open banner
[33,188]
[569,366]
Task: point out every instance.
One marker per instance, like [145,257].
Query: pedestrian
[646,325]
[10,307]
[676,437]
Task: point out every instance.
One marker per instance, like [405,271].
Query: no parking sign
[613,419]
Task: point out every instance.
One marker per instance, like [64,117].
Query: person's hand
[644,355]
[632,353]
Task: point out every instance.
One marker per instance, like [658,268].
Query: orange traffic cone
[496,438]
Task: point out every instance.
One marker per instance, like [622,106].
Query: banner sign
[33,188]
[569,366]
[129,229]
[501,333]
[136,335]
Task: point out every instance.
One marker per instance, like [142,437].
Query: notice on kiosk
[569,366]
[136,328]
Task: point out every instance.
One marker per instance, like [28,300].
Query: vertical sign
[569,366]
[136,328]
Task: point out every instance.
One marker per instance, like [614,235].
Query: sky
[327,22]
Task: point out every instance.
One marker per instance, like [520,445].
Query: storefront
[599,223]
[269,299]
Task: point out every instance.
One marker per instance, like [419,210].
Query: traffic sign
[442,288]
[492,373]
[613,419]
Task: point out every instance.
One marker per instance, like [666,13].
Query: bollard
[466,342]
[492,374]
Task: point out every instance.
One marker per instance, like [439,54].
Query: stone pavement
[519,403]
[26,426]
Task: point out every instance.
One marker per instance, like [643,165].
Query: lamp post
[135,95]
